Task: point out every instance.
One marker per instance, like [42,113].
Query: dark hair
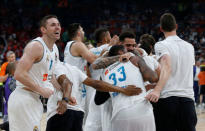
[115,49]
[100,34]
[168,22]
[73,29]
[126,34]
[45,18]
[147,42]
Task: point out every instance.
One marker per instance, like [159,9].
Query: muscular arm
[106,87]
[103,62]
[147,73]
[33,52]
[165,63]
[79,49]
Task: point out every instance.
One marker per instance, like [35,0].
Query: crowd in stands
[18,20]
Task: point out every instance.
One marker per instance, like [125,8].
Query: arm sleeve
[160,50]
[101,97]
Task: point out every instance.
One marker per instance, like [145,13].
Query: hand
[62,107]
[55,82]
[153,96]
[125,57]
[131,90]
[45,92]
[114,40]
[72,101]
[150,86]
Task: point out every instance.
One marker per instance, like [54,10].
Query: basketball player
[32,74]
[103,42]
[173,93]
[146,45]
[77,54]
[134,112]
[72,119]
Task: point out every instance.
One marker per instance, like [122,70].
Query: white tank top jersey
[180,82]
[41,72]
[74,60]
[95,74]
[122,75]
[76,76]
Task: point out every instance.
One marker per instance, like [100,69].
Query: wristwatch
[65,99]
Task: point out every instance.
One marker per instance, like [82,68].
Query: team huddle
[118,85]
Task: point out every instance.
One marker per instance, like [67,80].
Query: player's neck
[78,39]
[172,33]
[48,42]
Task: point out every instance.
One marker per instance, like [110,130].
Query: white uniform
[93,121]
[180,83]
[151,62]
[79,62]
[76,76]
[133,112]
[24,107]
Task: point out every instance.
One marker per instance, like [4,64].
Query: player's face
[53,28]
[129,44]
[12,58]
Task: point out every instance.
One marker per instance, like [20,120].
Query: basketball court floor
[200,123]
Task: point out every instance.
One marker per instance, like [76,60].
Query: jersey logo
[85,68]
[45,77]
[106,72]
[51,63]
[35,128]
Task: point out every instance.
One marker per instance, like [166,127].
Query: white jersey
[180,82]
[41,71]
[76,76]
[74,60]
[95,74]
[122,75]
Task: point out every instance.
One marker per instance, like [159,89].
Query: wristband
[65,99]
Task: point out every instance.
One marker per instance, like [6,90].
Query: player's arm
[101,97]
[104,62]
[66,87]
[106,87]
[165,62]
[147,73]
[79,49]
[33,52]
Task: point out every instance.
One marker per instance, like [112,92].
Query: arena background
[19,22]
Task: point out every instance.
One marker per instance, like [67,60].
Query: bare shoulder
[34,49]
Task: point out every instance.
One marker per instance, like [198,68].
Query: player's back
[182,60]
[122,75]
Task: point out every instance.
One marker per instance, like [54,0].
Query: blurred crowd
[18,20]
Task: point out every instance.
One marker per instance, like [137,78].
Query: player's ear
[176,26]
[161,29]
[43,29]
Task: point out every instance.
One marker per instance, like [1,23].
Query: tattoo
[136,53]
[103,62]
[147,73]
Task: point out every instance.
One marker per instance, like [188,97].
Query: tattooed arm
[147,73]
[103,62]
